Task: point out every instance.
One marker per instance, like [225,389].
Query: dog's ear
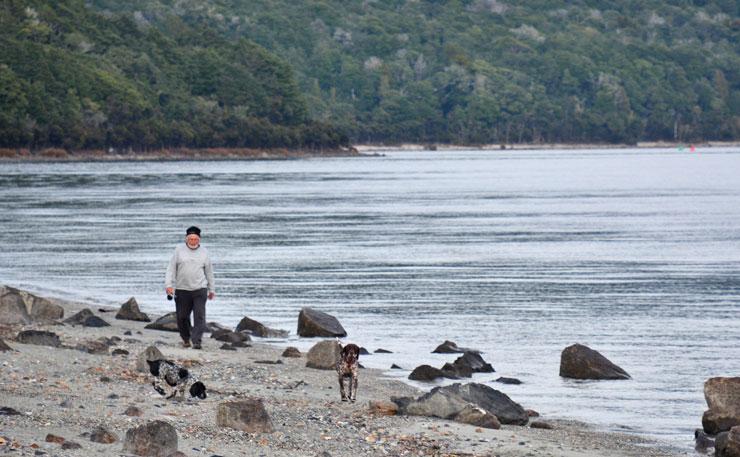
[154,367]
[182,373]
[198,389]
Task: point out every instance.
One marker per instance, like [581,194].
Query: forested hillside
[162,73]
[486,71]
[76,78]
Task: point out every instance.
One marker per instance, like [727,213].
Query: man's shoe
[186,344]
[197,346]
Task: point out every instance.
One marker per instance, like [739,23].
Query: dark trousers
[191,301]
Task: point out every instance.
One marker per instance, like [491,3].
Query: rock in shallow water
[313,323]
[581,362]
[258,329]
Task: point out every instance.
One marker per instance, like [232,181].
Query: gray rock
[12,307]
[313,323]
[101,435]
[39,337]
[229,336]
[247,416]
[449,347]
[541,425]
[474,362]
[291,351]
[436,403]
[4,347]
[130,311]
[44,310]
[154,439]
[166,323]
[504,380]
[383,351]
[581,362]
[69,445]
[323,355]
[150,353]
[259,329]
[497,403]
[95,321]
[133,411]
[428,373]
[8,411]
[79,317]
[119,352]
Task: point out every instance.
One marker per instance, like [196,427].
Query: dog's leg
[174,392]
[353,387]
[159,389]
[341,387]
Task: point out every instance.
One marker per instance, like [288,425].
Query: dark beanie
[192,231]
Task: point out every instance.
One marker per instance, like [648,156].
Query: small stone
[133,411]
[291,352]
[541,425]
[101,435]
[71,445]
[51,438]
[120,352]
[105,379]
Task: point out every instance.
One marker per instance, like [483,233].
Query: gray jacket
[190,269]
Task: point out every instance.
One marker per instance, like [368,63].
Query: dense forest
[153,73]
[75,78]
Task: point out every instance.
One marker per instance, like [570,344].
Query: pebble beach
[65,395]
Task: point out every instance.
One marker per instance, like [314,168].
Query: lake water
[635,253]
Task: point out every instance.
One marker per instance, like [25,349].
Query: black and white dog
[176,377]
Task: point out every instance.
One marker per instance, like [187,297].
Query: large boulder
[79,318]
[21,307]
[44,310]
[167,323]
[12,307]
[246,415]
[39,337]
[449,347]
[130,312]
[323,355]
[153,439]
[428,373]
[447,404]
[497,403]
[728,443]
[436,403]
[150,353]
[581,362]
[258,329]
[723,393]
[312,323]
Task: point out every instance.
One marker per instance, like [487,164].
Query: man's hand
[169,291]
[211,295]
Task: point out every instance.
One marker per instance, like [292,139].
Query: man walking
[190,279]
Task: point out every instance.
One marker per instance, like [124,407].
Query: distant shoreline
[174,154]
[368,148]
[359,150]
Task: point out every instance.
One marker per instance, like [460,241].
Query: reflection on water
[519,254]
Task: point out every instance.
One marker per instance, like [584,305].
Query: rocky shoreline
[83,394]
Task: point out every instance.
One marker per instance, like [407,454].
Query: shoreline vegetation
[360,150]
[62,399]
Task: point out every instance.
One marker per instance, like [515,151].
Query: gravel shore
[70,393]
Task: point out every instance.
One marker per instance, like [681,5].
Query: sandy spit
[68,393]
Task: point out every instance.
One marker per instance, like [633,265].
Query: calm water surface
[635,253]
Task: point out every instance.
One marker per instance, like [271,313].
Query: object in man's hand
[169,297]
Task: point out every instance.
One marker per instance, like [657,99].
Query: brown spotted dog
[347,367]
